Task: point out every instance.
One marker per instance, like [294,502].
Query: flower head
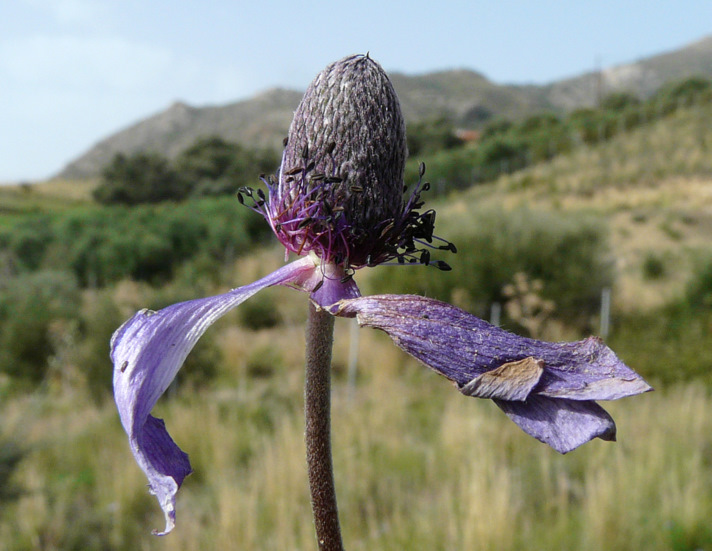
[337,202]
[339,190]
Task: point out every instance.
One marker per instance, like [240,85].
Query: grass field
[418,466]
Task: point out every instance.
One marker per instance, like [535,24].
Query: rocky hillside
[466,97]
[642,77]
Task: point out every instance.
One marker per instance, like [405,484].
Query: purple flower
[337,203]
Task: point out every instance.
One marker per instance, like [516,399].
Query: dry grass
[50,196]
[653,187]
[418,466]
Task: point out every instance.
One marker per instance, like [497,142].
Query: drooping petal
[562,424]
[147,352]
[518,373]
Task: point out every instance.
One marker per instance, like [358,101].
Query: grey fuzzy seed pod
[349,126]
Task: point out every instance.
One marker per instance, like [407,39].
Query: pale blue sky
[75,71]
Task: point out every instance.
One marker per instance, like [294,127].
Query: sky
[75,71]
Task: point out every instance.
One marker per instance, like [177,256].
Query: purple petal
[147,352]
[462,347]
[562,424]
[488,362]
[328,284]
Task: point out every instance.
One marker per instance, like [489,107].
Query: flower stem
[317,410]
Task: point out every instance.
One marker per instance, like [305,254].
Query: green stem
[317,410]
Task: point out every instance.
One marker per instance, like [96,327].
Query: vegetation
[508,146]
[102,245]
[210,167]
[417,468]
[567,253]
[626,208]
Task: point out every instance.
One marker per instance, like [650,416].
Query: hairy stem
[317,409]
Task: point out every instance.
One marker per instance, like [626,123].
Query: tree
[214,166]
[139,178]
[429,137]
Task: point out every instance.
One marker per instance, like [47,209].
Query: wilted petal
[562,424]
[510,381]
[147,351]
[489,362]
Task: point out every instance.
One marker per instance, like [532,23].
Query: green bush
[213,166]
[29,305]
[667,345]
[699,290]
[431,136]
[100,318]
[101,245]
[259,314]
[619,101]
[653,267]
[567,253]
[27,241]
[139,178]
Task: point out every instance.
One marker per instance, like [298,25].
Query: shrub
[29,304]
[619,101]
[431,136]
[100,318]
[139,178]
[653,267]
[568,254]
[669,344]
[101,245]
[259,314]
[27,241]
[699,290]
[213,166]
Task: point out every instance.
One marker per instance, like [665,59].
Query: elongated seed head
[339,190]
[349,127]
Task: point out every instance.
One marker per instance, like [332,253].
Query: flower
[337,203]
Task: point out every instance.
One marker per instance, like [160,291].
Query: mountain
[258,122]
[464,96]
[642,78]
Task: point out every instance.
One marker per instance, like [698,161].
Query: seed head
[339,191]
[349,126]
